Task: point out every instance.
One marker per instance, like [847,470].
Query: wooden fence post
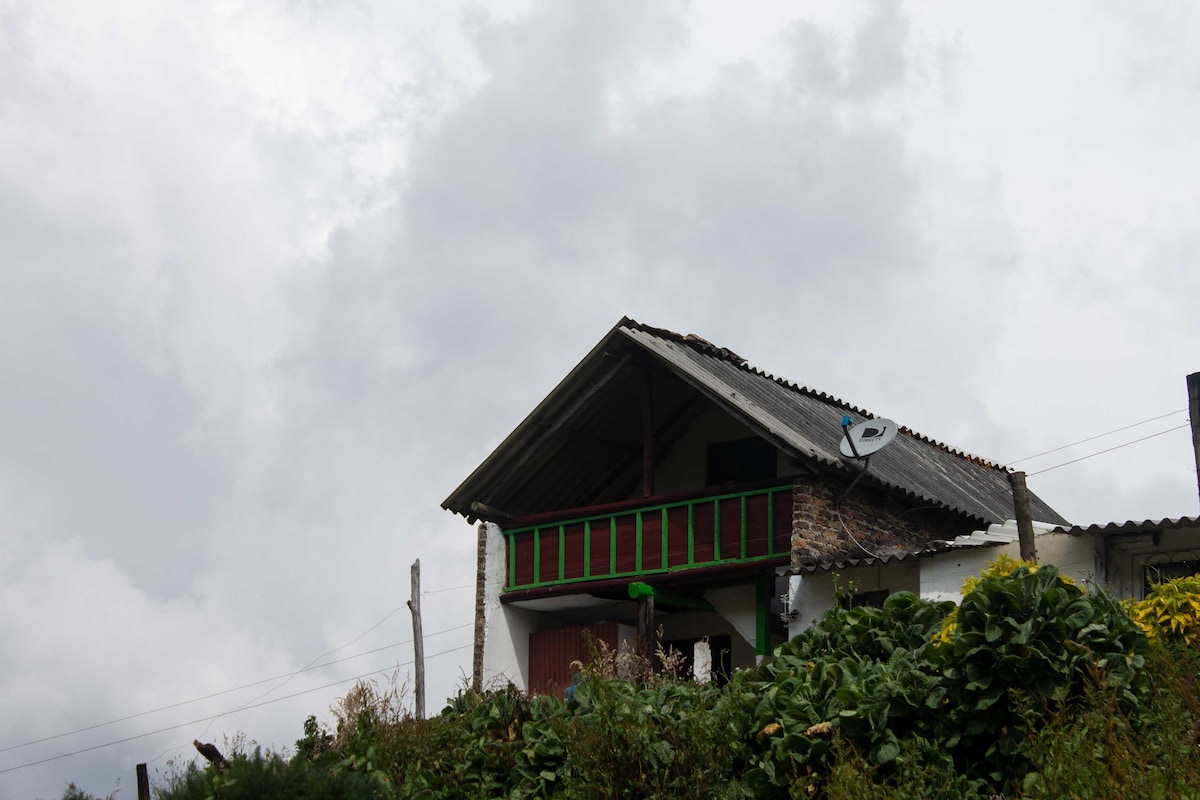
[414,605]
[143,782]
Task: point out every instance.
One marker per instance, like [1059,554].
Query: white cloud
[277,276]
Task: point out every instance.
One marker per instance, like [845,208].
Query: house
[666,484]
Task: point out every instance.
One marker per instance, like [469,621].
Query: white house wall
[1128,555]
[812,594]
[506,629]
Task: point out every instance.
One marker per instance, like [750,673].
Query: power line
[207,719]
[225,691]
[449,589]
[1097,436]
[1109,450]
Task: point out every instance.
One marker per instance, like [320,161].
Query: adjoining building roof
[999,534]
[1131,527]
[570,446]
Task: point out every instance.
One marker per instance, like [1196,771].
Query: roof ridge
[703,345]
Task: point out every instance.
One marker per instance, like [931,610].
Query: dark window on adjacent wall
[740,461]
[873,599]
[1168,570]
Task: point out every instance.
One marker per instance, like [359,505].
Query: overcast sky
[276,276]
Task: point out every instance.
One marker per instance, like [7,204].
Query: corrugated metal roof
[1132,526]
[998,534]
[565,450]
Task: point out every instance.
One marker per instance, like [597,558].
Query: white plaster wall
[942,575]
[814,594]
[1074,556]
[810,596]
[506,629]
[1127,556]
[736,605]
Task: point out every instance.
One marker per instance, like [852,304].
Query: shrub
[1171,611]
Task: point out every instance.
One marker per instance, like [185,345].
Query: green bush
[1171,611]
[1031,686]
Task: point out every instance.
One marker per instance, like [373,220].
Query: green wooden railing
[665,536]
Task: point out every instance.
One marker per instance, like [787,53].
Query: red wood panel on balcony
[549,560]
[574,547]
[731,526]
[652,540]
[702,525]
[756,526]
[601,536]
[677,536]
[783,522]
[524,559]
[626,543]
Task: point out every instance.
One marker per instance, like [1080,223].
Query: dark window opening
[873,599]
[1167,570]
[740,461]
[722,664]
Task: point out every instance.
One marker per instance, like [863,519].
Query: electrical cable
[289,678]
[837,510]
[225,691]
[1097,436]
[1109,450]
[449,589]
[208,719]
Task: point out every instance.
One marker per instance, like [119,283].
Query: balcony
[567,550]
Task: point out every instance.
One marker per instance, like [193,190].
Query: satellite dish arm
[846,433]
[866,461]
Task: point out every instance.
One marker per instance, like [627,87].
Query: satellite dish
[868,437]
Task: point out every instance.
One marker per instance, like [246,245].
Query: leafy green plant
[1171,611]
[1034,634]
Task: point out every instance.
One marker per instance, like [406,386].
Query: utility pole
[414,605]
[143,783]
[1193,384]
[1024,516]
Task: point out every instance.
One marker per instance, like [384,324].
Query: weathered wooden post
[143,782]
[1024,516]
[414,605]
[1193,385]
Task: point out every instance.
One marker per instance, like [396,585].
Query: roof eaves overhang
[531,430]
[1130,528]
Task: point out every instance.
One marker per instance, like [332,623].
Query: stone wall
[869,522]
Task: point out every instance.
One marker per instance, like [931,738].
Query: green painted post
[762,616]
[537,556]
[587,548]
[512,559]
[745,529]
[692,532]
[716,520]
[562,552]
[637,543]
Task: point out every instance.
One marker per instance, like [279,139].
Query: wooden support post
[647,633]
[764,590]
[480,612]
[414,605]
[1193,384]
[648,434]
[143,783]
[1024,516]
